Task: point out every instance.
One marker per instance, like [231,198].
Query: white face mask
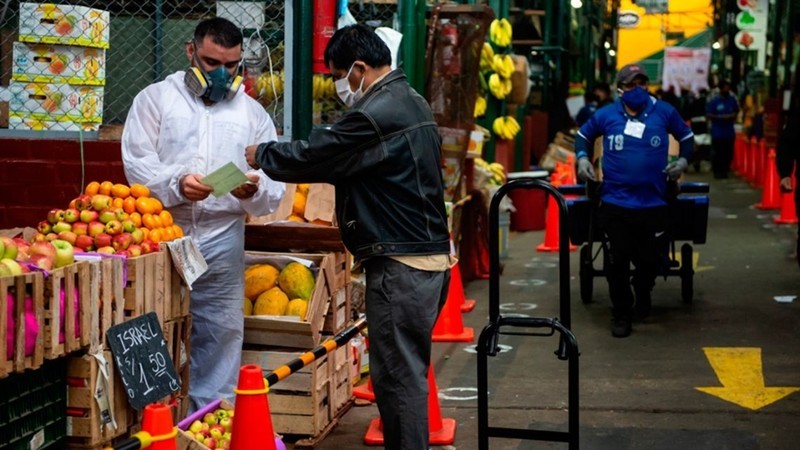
[343,89]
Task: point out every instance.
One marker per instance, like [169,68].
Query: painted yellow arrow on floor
[695,262]
[741,374]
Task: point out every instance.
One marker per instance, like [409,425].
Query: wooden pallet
[20,287]
[313,441]
[71,331]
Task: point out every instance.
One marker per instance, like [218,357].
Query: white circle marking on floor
[501,348]
[444,396]
[528,283]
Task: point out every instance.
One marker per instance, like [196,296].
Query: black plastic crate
[33,408]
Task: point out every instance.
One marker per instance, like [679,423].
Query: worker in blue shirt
[633,194]
[721,112]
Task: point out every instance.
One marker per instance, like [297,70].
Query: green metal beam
[302,76]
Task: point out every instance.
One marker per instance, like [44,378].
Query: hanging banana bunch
[487,57]
[499,87]
[495,171]
[506,127]
[269,86]
[500,32]
[503,65]
[480,106]
[322,87]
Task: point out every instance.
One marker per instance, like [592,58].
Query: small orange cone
[771,190]
[441,431]
[738,153]
[761,162]
[788,209]
[551,236]
[457,289]
[752,157]
[364,391]
[449,326]
[252,425]
[157,422]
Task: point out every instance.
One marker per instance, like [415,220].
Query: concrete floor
[639,392]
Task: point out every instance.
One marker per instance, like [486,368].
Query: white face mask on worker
[345,93]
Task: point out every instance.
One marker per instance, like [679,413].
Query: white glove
[585,169]
[676,168]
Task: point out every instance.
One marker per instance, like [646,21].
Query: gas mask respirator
[216,85]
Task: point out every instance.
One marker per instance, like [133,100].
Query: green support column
[302,76]
[494,107]
[409,46]
[778,8]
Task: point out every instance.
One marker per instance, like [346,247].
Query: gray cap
[628,73]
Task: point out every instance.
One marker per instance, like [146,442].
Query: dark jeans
[721,156]
[634,236]
[402,306]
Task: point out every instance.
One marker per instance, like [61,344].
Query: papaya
[259,278]
[296,280]
[273,302]
[248,307]
[297,307]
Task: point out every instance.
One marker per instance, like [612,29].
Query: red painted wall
[38,175]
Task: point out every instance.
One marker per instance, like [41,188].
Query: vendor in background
[721,111]
[788,153]
[599,97]
[383,156]
[633,196]
[177,131]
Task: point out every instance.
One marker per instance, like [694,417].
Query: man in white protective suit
[178,131]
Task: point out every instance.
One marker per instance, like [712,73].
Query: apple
[72,215]
[51,236]
[210,419]
[42,261]
[72,203]
[10,248]
[220,413]
[101,202]
[43,248]
[102,240]
[120,213]
[216,431]
[225,444]
[80,228]
[227,436]
[65,253]
[55,215]
[83,202]
[39,237]
[22,249]
[12,265]
[5,271]
[61,226]
[211,443]
[68,236]
[89,216]
[134,250]
[121,241]
[200,437]
[114,227]
[84,242]
[108,250]
[226,423]
[107,215]
[137,234]
[195,426]
[128,226]
[44,227]
[96,228]
[148,246]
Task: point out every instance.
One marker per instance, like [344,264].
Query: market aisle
[640,392]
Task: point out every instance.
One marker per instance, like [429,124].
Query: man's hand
[786,184]
[585,169]
[676,168]
[250,155]
[248,189]
[193,189]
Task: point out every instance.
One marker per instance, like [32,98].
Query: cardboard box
[45,63]
[63,24]
[519,81]
[56,101]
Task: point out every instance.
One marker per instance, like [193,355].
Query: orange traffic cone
[788,209]
[252,426]
[761,162]
[771,189]
[738,153]
[441,431]
[457,290]
[157,422]
[551,236]
[752,158]
[449,326]
[364,391]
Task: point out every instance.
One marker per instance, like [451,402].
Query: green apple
[107,215]
[65,254]
[101,202]
[12,265]
[61,226]
[108,250]
[10,248]
[89,216]
[72,215]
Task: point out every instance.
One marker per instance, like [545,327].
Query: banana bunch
[506,127]
[500,32]
[480,106]
[487,57]
[264,86]
[495,171]
[499,87]
[323,87]
[503,65]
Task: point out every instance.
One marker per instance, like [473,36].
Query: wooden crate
[287,331]
[177,334]
[300,404]
[107,286]
[75,282]
[84,426]
[20,286]
[153,284]
[341,380]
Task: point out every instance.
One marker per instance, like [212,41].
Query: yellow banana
[497,86]
[498,126]
[487,53]
[480,106]
[503,65]
[500,32]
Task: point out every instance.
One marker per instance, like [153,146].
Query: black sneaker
[641,310]
[621,328]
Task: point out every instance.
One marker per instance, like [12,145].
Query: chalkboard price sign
[142,360]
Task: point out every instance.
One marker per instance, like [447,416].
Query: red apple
[72,203]
[121,241]
[80,228]
[134,250]
[210,419]
[42,261]
[137,234]
[108,250]
[211,443]
[44,227]
[72,215]
[61,226]
[102,240]
[216,431]
[148,246]
[55,215]
[43,248]
[68,236]
[22,249]
[96,228]
[101,202]
[83,202]
[89,216]
[114,227]
[65,254]
[84,242]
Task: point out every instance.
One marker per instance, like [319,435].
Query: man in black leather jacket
[788,154]
[384,158]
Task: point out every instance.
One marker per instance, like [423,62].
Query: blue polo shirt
[722,128]
[635,151]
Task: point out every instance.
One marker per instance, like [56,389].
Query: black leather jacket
[384,158]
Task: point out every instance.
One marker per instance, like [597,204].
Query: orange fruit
[166,218]
[299,204]
[120,190]
[105,188]
[92,188]
[146,232]
[157,206]
[167,233]
[294,218]
[129,205]
[155,235]
[148,222]
[144,206]
[177,231]
[136,218]
[117,203]
[139,190]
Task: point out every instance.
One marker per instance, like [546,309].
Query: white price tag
[635,129]
[187,259]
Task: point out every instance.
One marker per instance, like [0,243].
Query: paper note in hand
[225,179]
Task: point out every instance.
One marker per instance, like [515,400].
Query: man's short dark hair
[603,87]
[221,31]
[356,42]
